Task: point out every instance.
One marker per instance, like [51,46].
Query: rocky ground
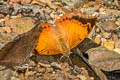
[19,16]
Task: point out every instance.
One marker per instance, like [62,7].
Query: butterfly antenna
[39,18]
[45,17]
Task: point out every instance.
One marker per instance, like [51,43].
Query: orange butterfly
[69,31]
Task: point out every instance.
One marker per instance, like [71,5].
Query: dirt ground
[20,16]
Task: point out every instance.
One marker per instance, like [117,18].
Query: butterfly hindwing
[48,43]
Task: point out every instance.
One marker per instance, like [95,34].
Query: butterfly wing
[48,43]
[74,28]
[71,30]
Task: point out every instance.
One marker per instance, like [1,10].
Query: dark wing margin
[91,20]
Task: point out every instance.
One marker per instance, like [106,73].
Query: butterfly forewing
[74,29]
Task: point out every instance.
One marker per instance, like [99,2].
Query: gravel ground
[19,16]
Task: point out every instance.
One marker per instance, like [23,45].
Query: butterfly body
[70,30]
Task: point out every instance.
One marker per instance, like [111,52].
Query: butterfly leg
[68,58]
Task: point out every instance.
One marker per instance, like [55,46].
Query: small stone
[98,39]
[78,3]
[38,74]
[97,30]
[84,71]
[7,29]
[22,1]
[14,35]
[2,24]
[117,44]
[114,12]
[97,6]
[56,65]
[88,11]
[14,78]
[41,70]
[49,70]
[47,11]
[38,66]
[118,32]
[61,15]
[91,78]
[54,15]
[117,50]
[60,78]
[109,44]
[2,30]
[26,1]
[102,9]
[118,22]
[82,77]
[30,73]
[109,25]
[32,63]
[44,64]
[6,74]
[1,46]
[77,69]
[64,10]
[103,40]
[115,37]
[107,35]
[2,16]
[15,1]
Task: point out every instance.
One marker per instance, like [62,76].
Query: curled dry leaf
[99,57]
[18,51]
